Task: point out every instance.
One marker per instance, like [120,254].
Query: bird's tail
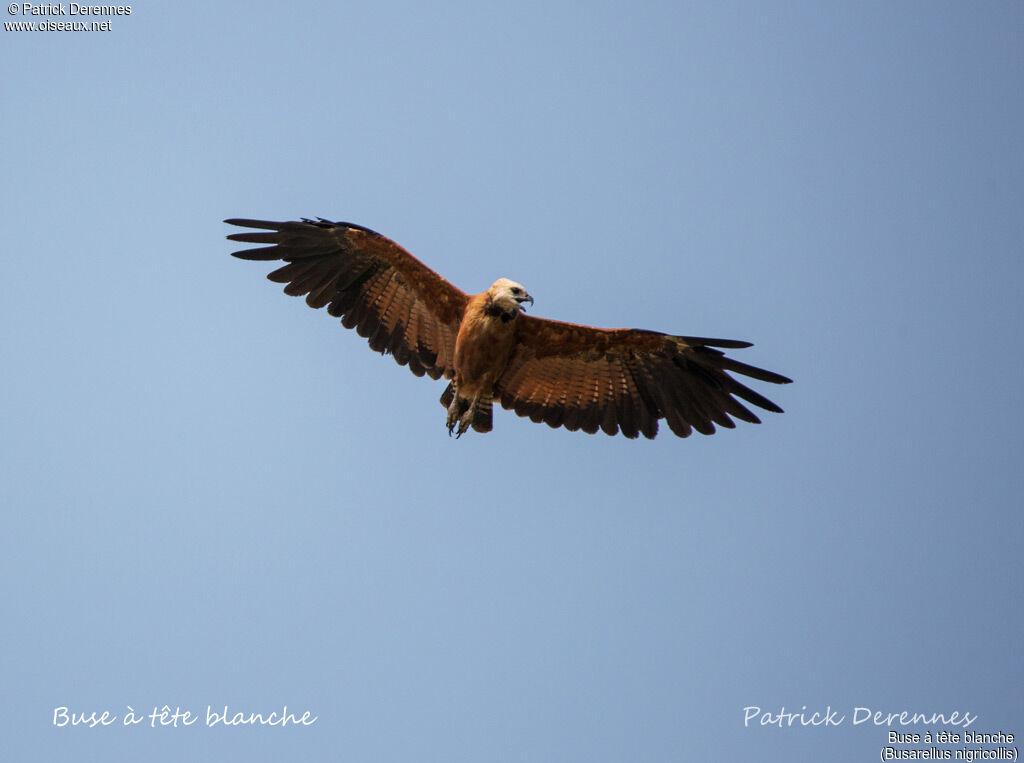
[482,415]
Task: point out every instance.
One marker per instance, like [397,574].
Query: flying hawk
[564,374]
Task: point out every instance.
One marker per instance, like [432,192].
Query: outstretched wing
[581,377]
[370,282]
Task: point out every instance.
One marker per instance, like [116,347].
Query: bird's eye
[516,290]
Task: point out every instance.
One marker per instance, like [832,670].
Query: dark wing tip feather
[244,222]
[255,238]
[743,391]
[753,371]
[260,253]
[730,344]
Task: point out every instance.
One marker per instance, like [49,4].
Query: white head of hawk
[508,296]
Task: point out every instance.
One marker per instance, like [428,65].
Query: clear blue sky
[213,495]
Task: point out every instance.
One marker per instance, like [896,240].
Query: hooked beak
[521,300]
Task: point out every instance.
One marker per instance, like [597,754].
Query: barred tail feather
[482,415]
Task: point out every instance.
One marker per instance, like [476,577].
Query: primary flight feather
[564,374]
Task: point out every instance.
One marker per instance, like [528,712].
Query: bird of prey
[564,374]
